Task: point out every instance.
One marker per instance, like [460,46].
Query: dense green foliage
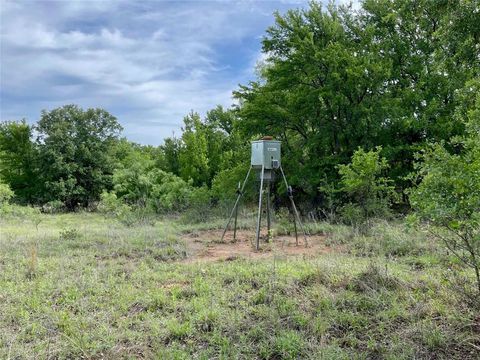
[5,194]
[449,192]
[334,80]
[74,161]
[18,159]
[69,161]
[362,180]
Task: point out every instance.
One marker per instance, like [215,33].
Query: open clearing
[82,286]
[206,246]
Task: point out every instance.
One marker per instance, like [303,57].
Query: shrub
[152,188]
[69,234]
[448,195]
[352,215]
[137,216]
[169,192]
[362,181]
[225,184]
[6,194]
[110,205]
[53,207]
[13,210]
[199,205]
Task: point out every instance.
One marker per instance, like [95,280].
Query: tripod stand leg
[294,209]
[269,222]
[296,232]
[236,203]
[235,224]
[259,218]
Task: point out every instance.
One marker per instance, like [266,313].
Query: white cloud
[148,63]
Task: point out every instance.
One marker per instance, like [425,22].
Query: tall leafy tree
[74,153]
[193,155]
[433,48]
[335,79]
[223,141]
[317,92]
[170,160]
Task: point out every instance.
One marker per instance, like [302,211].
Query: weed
[373,279]
[71,234]
[288,345]
[32,261]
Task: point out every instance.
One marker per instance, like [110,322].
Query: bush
[169,192]
[110,205]
[13,210]
[6,194]
[152,188]
[199,205]
[448,195]
[371,193]
[225,184]
[69,234]
[53,207]
[352,215]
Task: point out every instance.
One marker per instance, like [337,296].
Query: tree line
[391,78]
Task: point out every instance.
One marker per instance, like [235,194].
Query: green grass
[85,286]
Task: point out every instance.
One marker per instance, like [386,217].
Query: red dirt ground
[206,246]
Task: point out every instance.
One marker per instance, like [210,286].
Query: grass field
[83,286]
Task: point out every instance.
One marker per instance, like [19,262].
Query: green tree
[206,147]
[193,154]
[151,188]
[18,159]
[170,159]
[225,147]
[317,92]
[335,80]
[132,180]
[448,195]
[75,160]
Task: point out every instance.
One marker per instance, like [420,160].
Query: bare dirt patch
[206,246]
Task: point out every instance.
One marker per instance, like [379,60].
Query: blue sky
[148,63]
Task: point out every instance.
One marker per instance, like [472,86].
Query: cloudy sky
[148,63]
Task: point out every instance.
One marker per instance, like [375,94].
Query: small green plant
[288,345]
[113,207]
[69,234]
[284,222]
[177,329]
[36,219]
[330,201]
[32,261]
